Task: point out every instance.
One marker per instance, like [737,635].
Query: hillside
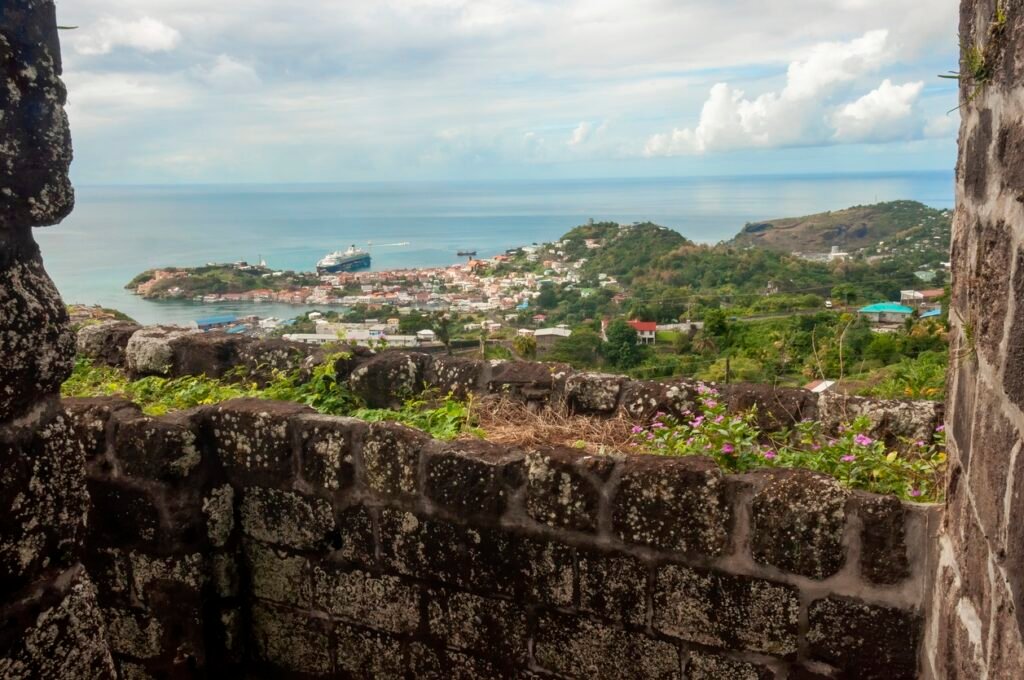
[621,250]
[851,229]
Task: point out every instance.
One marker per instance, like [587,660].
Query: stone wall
[388,378]
[50,626]
[260,537]
[977,616]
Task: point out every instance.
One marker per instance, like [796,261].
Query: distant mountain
[850,229]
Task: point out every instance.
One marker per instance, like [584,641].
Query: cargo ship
[466,253]
[343,261]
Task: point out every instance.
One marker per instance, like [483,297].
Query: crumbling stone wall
[977,616]
[50,625]
[260,537]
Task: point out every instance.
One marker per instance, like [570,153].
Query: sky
[194,91]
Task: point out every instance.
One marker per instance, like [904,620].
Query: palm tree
[704,343]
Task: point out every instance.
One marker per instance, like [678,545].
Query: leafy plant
[912,470]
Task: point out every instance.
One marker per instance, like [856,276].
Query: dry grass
[506,421]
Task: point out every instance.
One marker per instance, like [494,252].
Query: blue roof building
[931,313]
[211,322]
[886,308]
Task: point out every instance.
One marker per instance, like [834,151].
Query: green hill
[851,229]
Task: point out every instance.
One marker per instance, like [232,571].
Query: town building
[645,331]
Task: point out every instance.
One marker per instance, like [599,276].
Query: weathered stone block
[381,602]
[356,529]
[162,449]
[106,342]
[290,640]
[472,477]
[883,547]
[721,610]
[150,351]
[484,560]
[44,501]
[613,587]
[593,392]
[432,663]
[581,648]
[391,455]
[91,420]
[212,354]
[134,633]
[891,419]
[286,518]
[365,653]
[865,641]
[329,445]
[703,666]
[456,376]
[797,522]
[278,576]
[122,515]
[156,578]
[253,439]
[642,399]
[390,378]
[528,380]
[219,510]
[777,407]
[61,636]
[551,572]
[486,626]
[564,487]
[675,504]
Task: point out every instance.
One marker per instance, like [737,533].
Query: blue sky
[193,91]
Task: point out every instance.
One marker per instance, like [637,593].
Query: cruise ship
[343,261]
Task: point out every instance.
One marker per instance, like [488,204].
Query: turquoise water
[116,232]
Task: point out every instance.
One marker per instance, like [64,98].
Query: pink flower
[920,443]
[848,458]
[711,403]
[728,448]
[940,428]
[650,436]
[816,447]
[770,455]
[637,429]
[689,442]
[697,421]
[659,415]
[915,492]
[719,419]
[658,426]
[862,440]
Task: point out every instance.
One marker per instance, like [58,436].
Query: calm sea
[117,232]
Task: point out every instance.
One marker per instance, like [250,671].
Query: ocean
[116,232]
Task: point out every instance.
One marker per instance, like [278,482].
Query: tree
[442,329]
[703,343]
[548,298]
[581,349]
[622,350]
[525,346]
[715,322]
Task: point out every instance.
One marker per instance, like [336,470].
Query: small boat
[466,253]
[343,261]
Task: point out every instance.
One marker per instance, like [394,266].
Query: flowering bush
[911,470]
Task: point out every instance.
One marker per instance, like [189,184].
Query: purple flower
[711,403]
[848,458]
[940,428]
[719,419]
[920,443]
[863,440]
[915,492]
[650,436]
[637,429]
[659,415]
[658,426]
[689,442]
[697,421]
[770,455]
[728,448]
[842,428]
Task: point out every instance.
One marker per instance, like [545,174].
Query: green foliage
[548,298]
[740,369]
[921,378]
[622,350]
[446,421]
[525,346]
[913,470]
[581,349]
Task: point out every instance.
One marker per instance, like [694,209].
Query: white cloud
[884,114]
[145,34]
[228,73]
[805,112]
[581,133]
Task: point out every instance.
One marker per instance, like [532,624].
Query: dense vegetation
[218,279]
